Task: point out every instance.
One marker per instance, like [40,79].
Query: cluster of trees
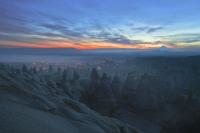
[101,92]
[106,93]
[138,93]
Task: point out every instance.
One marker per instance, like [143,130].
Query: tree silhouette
[75,76]
[24,69]
[64,75]
[94,74]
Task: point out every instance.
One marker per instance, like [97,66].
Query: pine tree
[50,69]
[64,75]
[116,84]
[58,70]
[75,76]
[94,74]
[24,69]
[104,77]
[94,81]
[104,82]
[34,70]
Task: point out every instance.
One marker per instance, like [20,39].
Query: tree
[58,70]
[89,95]
[104,82]
[94,80]
[104,76]
[116,86]
[116,83]
[63,84]
[94,74]
[24,69]
[50,69]
[64,75]
[128,84]
[34,70]
[75,76]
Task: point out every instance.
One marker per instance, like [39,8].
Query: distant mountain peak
[163,48]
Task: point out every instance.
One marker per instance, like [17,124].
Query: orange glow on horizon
[79,45]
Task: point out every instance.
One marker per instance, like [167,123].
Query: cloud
[54,26]
[83,21]
[64,31]
[154,29]
[182,38]
[115,38]
[13,18]
[146,29]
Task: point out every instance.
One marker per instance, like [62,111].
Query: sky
[91,24]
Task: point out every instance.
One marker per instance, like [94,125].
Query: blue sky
[99,23]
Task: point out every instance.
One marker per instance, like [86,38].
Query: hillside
[29,105]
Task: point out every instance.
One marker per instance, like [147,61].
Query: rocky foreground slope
[28,105]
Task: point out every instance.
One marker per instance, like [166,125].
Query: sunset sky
[87,24]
